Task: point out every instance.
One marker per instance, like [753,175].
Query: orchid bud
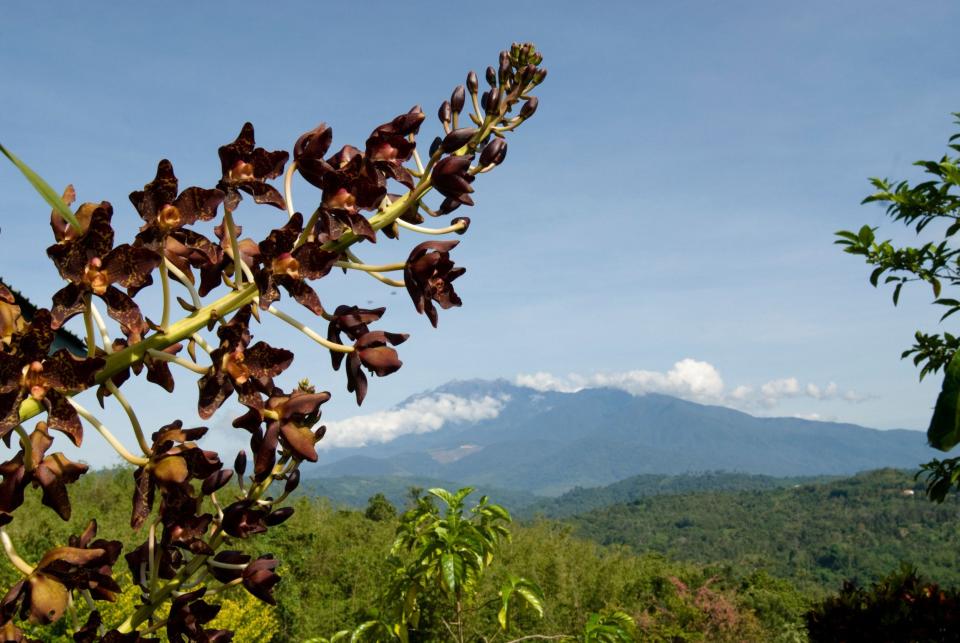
[457,139]
[473,85]
[464,221]
[240,464]
[215,481]
[505,68]
[529,107]
[435,145]
[457,99]
[445,113]
[493,100]
[279,516]
[494,152]
[293,481]
[491,76]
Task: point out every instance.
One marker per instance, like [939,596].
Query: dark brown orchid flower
[283,264]
[259,578]
[188,615]
[166,214]
[85,564]
[389,147]
[247,167]
[26,369]
[429,274]
[370,347]
[239,367]
[243,518]
[92,265]
[51,473]
[452,179]
[175,460]
[290,419]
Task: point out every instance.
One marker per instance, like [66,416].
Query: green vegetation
[815,535]
[704,566]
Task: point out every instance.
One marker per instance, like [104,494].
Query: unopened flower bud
[457,139]
[464,221]
[473,85]
[529,107]
[540,76]
[293,481]
[215,481]
[494,152]
[279,516]
[319,433]
[493,100]
[445,113]
[457,99]
[506,69]
[240,464]
[435,145]
[491,76]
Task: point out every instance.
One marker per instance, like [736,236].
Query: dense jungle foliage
[756,561]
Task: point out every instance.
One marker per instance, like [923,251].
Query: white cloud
[786,387]
[689,379]
[693,380]
[422,415]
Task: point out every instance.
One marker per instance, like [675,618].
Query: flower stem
[107,435]
[365,267]
[309,332]
[23,566]
[457,227]
[167,357]
[88,322]
[234,247]
[165,283]
[102,326]
[131,415]
[288,187]
[185,280]
[376,275]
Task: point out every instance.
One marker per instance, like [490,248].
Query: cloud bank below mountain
[421,415]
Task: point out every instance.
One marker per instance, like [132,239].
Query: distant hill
[355,491]
[815,535]
[547,443]
[581,500]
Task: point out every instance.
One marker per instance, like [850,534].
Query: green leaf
[944,430]
[43,188]
[533,595]
[866,235]
[448,563]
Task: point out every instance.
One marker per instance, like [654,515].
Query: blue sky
[673,199]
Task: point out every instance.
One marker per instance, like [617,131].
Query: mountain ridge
[548,442]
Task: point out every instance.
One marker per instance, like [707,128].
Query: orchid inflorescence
[181,491]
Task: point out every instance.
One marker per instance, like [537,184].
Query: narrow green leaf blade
[43,188]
